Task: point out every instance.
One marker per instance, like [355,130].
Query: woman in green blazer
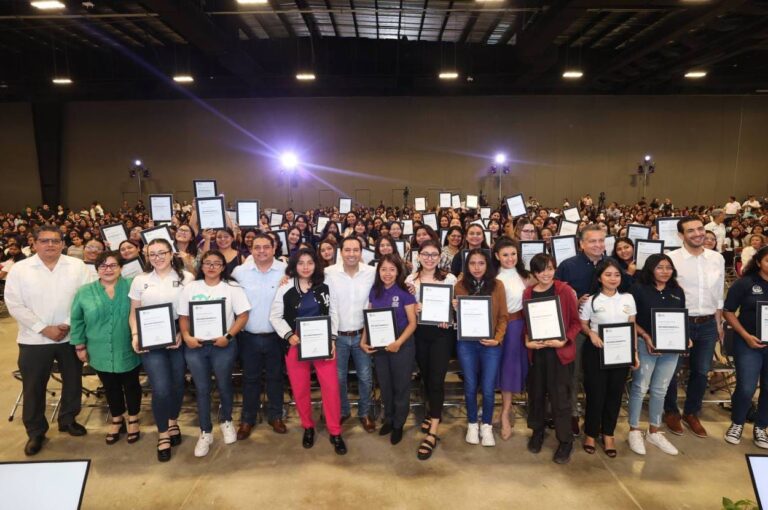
[102,337]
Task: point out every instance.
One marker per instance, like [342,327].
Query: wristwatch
[228,337]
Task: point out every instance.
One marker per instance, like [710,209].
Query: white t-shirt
[235,300]
[450,279]
[513,288]
[732,207]
[608,310]
[150,289]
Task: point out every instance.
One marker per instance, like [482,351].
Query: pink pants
[299,375]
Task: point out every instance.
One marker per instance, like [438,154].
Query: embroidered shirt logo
[756,289]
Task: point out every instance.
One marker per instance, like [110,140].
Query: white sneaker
[229,432]
[760,437]
[733,434]
[203,444]
[473,434]
[486,433]
[637,442]
[658,440]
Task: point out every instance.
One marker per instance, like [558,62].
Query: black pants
[123,390]
[603,389]
[35,365]
[393,371]
[261,353]
[434,347]
[548,377]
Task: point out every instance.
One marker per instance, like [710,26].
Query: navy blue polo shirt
[743,296]
[579,273]
[648,297]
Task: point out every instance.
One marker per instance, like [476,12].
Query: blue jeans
[203,362]
[704,338]
[260,353]
[165,369]
[481,367]
[347,346]
[654,373]
[751,367]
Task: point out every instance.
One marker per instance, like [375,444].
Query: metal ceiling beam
[333,19]
[491,29]
[445,21]
[354,18]
[537,37]
[309,18]
[423,17]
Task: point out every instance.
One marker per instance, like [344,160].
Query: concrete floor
[269,469]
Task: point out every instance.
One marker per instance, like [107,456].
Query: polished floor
[274,470]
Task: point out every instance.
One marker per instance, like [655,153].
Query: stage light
[695,75]
[448,75]
[647,157]
[305,76]
[48,5]
[289,160]
[573,74]
[183,78]
[137,162]
[62,81]
[500,158]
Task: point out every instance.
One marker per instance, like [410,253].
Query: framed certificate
[455,201]
[205,188]
[487,234]
[666,228]
[368,255]
[444,199]
[618,345]
[161,232]
[283,236]
[465,253]
[161,207]
[275,219]
[644,248]
[345,205]
[322,221]
[669,329]
[635,232]
[758,472]
[544,319]
[474,318]
[516,206]
[471,202]
[610,244]
[443,235]
[563,248]
[528,249]
[762,321]
[315,338]
[114,235]
[64,487]
[210,213]
[485,213]
[400,247]
[414,261]
[435,299]
[407,227]
[572,214]
[568,228]
[430,219]
[131,268]
[420,204]
[248,213]
[207,320]
[156,326]
[380,327]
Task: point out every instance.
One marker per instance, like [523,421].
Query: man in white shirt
[732,207]
[701,274]
[350,285]
[717,227]
[39,293]
[750,203]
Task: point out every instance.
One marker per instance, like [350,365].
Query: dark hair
[120,246]
[317,275]
[430,232]
[600,268]
[46,228]
[489,277]
[377,247]
[378,284]
[687,219]
[440,274]
[506,242]
[351,238]
[752,265]
[453,229]
[645,277]
[625,240]
[103,256]
[344,223]
[465,246]
[261,235]
[389,226]
[225,274]
[540,261]
[176,263]
[330,241]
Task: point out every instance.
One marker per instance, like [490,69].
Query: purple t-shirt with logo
[397,298]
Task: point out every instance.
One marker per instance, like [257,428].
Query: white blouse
[513,288]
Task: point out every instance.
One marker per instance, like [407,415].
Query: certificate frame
[541,248]
[572,214]
[443,235]
[601,330]
[430,219]
[407,227]
[444,199]
[555,240]
[142,346]
[684,312]
[240,216]
[756,486]
[221,217]
[132,261]
[273,217]
[670,241]
[283,236]
[163,197]
[400,247]
[318,226]
[567,228]
[147,236]
[200,304]
[345,205]
[202,194]
[442,286]
[80,487]
[472,202]
[647,242]
[762,314]
[327,320]
[610,244]
[643,231]
[368,255]
[514,203]
[455,201]
[117,228]
[420,204]
[386,310]
[459,326]
[529,326]
[485,212]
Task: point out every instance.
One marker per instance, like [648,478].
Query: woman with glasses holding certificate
[161,284]
[605,358]
[305,296]
[212,310]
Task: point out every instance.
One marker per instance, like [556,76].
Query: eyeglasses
[429,255]
[94,248]
[49,241]
[528,230]
[212,265]
[110,267]
[159,254]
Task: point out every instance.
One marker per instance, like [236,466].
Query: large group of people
[75,302]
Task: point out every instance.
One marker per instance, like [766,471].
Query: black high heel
[175,438]
[163,455]
[114,438]
[132,437]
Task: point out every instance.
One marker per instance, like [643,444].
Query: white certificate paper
[667,230]
[156,327]
[445,200]
[474,318]
[544,320]
[314,338]
[568,228]
[345,205]
[275,219]
[645,249]
[669,331]
[210,213]
[610,244]
[380,326]
[528,249]
[420,204]
[762,321]
[563,248]
[322,221]
[131,268]
[455,202]
[114,235]
[471,201]
[400,247]
[572,214]
[430,219]
[208,321]
[248,213]
[205,188]
[516,206]
[407,228]
[635,232]
[618,345]
[161,207]
[485,212]
[435,303]
[161,232]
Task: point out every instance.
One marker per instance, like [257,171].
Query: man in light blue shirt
[260,347]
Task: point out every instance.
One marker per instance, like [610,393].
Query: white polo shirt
[151,289]
[602,309]
[235,300]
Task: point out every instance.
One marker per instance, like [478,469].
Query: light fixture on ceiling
[573,74]
[48,5]
[251,2]
[183,78]
[62,80]
[305,76]
[695,75]
[448,75]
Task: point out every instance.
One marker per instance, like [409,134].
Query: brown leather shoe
[672,420]
[695,425]
[244,431]
[368,424]
[278,426]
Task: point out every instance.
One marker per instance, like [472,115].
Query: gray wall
[705,147]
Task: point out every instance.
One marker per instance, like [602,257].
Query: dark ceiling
[124,49]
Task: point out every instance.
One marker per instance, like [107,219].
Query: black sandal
[175,438]
[163,455]
[589,448]
[426,425]
[426,445]
[114,438]
[610,452]
[132,437]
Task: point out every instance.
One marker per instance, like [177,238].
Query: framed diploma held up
[635,232]
[275,219]
[455,201]
[207,320]
[400,247]
[161,232]
[435,299]
[443,235]
[161,207]
[65,481]
[572,214]
[563,248]
[205,188]
[487,235]
[516,206]
[131,268]
[485,213]
[156,326]
[762,321]
[248,214]
[528,249]
[618,345]
[114,235]
[669,330]
[474,321]
[758,472]
[368,255]
[407,227]
[420,204]
[380,327]
[471,202]
[444,199]
[667,230]
[345,205]
[644,248]
[430,219]
[322,221]
[315,338]
[283,236]
[568,228]
[545,319]
[610,244]
[210,213]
